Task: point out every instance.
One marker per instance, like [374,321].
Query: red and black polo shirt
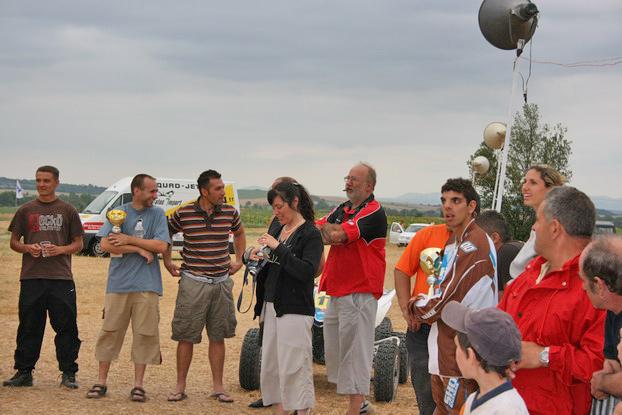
[358,265]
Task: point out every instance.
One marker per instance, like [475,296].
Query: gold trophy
[429,261]
[116,218]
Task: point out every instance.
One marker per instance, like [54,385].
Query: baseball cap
[492,332]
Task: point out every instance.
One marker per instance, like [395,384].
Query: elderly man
[354,278]
[601,273]
[562,332]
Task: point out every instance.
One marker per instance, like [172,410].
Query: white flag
[19,192]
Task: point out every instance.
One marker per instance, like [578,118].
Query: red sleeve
[574,364]
[322,221]
[370,223]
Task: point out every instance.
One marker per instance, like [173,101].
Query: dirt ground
[90,277]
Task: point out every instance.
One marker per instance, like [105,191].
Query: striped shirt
[206,237]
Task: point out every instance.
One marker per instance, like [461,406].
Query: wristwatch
[544,357]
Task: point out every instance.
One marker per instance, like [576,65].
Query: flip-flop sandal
[97,391]
[222,397]
[138,395]
[177,396]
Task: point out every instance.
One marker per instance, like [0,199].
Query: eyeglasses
[351,178]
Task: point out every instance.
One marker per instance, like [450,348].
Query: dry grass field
[90,277]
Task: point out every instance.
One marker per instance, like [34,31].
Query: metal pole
[497,154]
[508,133]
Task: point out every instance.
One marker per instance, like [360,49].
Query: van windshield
[100,202]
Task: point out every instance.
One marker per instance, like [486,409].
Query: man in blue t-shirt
[601,273]
[134,286]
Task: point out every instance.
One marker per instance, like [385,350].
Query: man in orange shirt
[434,236]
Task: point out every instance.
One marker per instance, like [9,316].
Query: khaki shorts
[143,309]
[200,305]
[349,342]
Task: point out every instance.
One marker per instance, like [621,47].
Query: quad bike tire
[383,330]
[250,360]
[386,371]
[317,335]
[404,369]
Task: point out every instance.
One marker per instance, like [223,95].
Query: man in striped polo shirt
[205,297]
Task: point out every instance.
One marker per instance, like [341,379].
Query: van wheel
[96,248]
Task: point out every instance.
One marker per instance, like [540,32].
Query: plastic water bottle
[139,231]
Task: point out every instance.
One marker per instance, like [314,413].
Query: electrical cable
[613,61]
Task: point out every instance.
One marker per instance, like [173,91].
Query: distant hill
[9,184]
[430,199]
[252,194]
[613,205]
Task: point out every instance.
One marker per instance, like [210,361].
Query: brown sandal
[138,394]
[97,391]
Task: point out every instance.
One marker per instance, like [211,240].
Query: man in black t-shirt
[601,273]
[46,231]
[495,225]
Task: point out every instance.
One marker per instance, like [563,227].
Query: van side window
[127,198]
[116,203]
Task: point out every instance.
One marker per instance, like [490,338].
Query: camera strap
[245,282]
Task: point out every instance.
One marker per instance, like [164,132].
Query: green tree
[531,143]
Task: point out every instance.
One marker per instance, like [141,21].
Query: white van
[172,194]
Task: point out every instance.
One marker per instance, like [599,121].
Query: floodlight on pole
[479,166]
[507,24]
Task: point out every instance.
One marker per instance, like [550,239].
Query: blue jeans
[417,345]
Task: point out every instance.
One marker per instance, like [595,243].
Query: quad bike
[390,365]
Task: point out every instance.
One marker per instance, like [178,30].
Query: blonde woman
[538,181]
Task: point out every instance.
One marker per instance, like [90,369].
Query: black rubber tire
[386,371]
[404,369]
[250,360]
[96,250]
[383,330]
[317,334]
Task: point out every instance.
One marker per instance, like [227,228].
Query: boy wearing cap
[487,342]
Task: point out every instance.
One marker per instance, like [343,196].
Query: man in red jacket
[562,331]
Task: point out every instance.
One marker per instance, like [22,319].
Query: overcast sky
[258,90]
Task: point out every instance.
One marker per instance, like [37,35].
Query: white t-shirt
[503,400]
[526,254]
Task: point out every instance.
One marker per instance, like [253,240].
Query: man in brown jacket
[467,274]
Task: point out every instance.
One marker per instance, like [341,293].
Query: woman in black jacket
[285,301]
